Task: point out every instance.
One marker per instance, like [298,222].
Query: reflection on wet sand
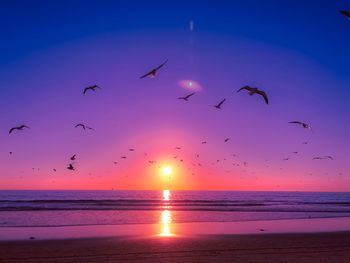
[165,219]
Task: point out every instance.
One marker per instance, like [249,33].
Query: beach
[304,247]
[191,227]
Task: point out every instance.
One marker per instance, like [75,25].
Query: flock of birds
[153,73]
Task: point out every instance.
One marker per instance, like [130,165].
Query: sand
[306,247]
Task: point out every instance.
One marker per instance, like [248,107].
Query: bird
[73,157]
[295,152]
[204,142]
[10,152]
[304,142]
[83,126]
[252,91]
[286,159]
[218,106]
[345,13]
[18,128]
[186,97]
[80,125]
[154,71]
[303,124]
[329,157]
[70,167]
[93,88]
[131,149]
[54,169]
[115,162]
[227,139]
[123,157]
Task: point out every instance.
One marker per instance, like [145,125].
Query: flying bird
[73,157]
[345,13]
[154,71]
[227,139]
[18,128]
[252,91]
[93,88]
[70,167]
[218,106]
[83,126]
[303,124]
[186,97]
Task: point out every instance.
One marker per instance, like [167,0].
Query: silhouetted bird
[70,167]
[54,170]
[252,91]
[131,150]
[10,152]
[18,128]
[73,157]
[303,124]
[93,88]
[286,159]
[329,157]
[83,126]
[218,106]
[186,97]
[123,157]
[154,71]
[204,142]
[227,139]
[345,13]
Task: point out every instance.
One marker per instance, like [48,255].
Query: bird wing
[221,102]
[345,13]
[297,122]
[263,93]
[12,129]
[147,74]
[190,95]
[161,65]
[86,89]
[246,88]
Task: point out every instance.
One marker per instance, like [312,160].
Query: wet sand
[306,247]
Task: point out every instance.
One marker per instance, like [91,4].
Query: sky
[296,51]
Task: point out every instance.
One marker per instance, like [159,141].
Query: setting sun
[167,170]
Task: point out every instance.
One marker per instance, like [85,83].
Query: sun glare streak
[165,217]
[166,221]
[166,195]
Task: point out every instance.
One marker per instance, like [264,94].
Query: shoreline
[168,229]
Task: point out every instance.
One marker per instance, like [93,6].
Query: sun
[167,170]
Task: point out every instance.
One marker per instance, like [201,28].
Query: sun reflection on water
[165,219]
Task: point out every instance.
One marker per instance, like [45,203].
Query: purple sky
[43,89]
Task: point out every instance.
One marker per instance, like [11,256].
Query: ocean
[74,208]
